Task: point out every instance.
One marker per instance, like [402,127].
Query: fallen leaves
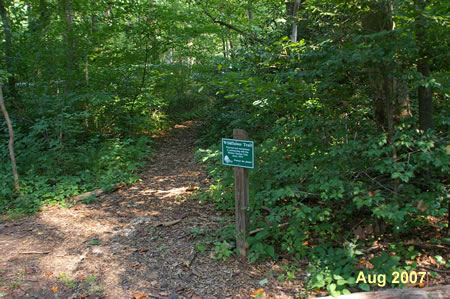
[55,289]
[258,293]
[138,295]
[191,188]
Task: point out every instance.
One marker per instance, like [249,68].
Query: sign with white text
[238,153]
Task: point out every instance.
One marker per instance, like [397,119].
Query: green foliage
[200,246]
[317,169]
[88,93]
[55,175]
[332,269]
[67,281]
[222,250]
[323,165]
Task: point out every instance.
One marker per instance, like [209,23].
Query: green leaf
[94,242]
[364,287]
[341,282]
[263,282]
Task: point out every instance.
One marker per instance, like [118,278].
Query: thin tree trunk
[8,49]
[424,93]
[224,46]
[67,15]
[11,141]
[295,9]
[69,36]
[44,16]
[250,11]
[231,46]
[144,75]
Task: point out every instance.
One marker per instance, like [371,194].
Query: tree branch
[11,141]
[215,20]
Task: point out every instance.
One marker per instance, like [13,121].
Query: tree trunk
[44,16]
[391,99]
[424,93]
[231,46]
[250,11]
[425,98]
[292,10]
[8,50]
[390,93]
[11,141]
[67,16]
[224,47]
[69,38]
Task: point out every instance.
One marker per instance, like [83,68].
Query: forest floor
[137,242]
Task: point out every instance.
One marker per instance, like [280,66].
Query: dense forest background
[347,102]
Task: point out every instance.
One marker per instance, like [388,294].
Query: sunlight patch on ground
[147,191]
[81,222]
[171,192]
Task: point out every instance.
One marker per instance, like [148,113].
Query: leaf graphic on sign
[227,159]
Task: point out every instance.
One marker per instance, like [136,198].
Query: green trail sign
[239,153]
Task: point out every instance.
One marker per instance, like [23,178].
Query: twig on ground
[263,228]
[427,246]
[184,235]
[35,252]
[167,223]
[155,296]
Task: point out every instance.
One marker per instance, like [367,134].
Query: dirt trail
[136,241]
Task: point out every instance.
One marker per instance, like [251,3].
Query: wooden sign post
[239,153]
[242,200]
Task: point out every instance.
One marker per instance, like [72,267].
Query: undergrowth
[55,174]
[327,182]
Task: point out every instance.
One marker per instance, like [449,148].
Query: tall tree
[390,92]
[425,94]
[67,17]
